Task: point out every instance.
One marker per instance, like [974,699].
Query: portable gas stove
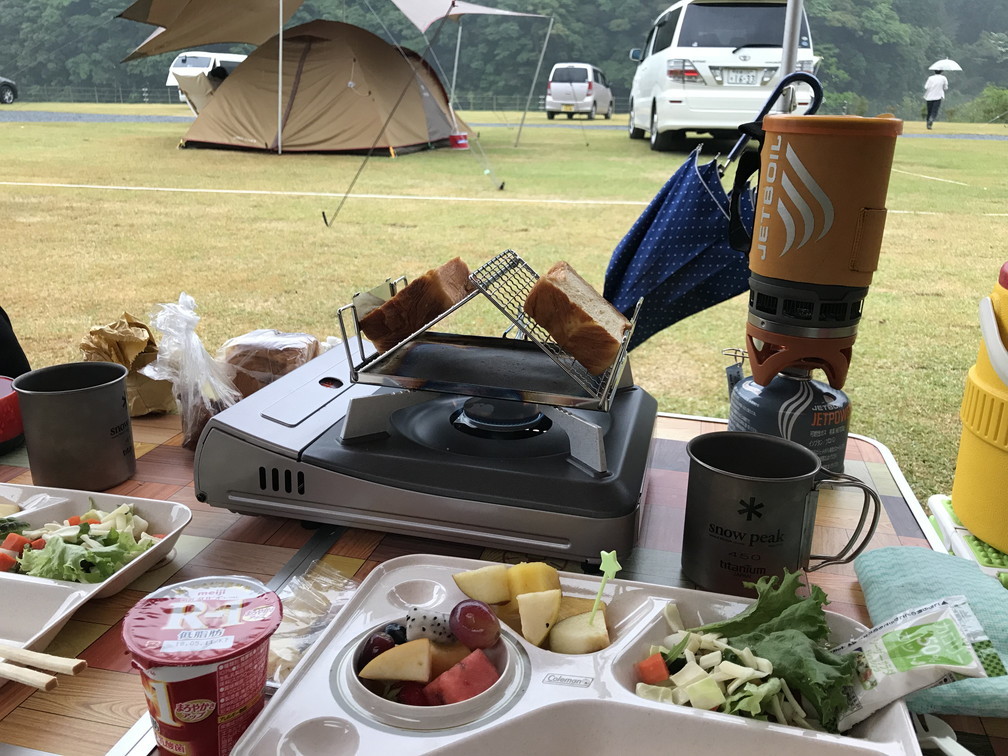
[501,442]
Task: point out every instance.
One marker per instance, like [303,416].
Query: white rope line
[930,178]
[418,198]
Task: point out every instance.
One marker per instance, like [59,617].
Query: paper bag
[129,342]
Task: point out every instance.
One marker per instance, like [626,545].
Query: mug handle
[872,503]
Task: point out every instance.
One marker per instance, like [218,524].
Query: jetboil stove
[504,442]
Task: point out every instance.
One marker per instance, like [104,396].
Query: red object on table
[11,428]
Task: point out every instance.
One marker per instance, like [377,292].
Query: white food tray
[44,606]
[555,703]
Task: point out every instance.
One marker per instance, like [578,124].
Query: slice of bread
[416,304]
[577,317]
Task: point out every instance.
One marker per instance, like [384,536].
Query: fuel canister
[796,407]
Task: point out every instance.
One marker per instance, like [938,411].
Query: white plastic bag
[202,385]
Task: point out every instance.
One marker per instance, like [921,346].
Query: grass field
[102,218]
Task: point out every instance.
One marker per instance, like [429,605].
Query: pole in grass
[609,569]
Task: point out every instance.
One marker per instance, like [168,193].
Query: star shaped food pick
[609,569]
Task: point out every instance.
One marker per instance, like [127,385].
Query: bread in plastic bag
[202,385]
[260,357]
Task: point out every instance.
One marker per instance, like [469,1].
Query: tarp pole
[280,79]
[458,44]
[542,54]
[789,52]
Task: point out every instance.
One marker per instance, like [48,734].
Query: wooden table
[94,712]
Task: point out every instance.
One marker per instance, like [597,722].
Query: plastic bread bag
[202,385]
[934,644]
[260,357]
[310,603]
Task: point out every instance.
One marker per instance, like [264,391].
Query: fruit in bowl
[432,658]
[529,599]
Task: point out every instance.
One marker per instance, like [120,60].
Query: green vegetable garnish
[791,631]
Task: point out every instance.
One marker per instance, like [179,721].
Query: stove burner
[499,419]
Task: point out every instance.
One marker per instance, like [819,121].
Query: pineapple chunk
[532,577]
[487,584]
[538,612]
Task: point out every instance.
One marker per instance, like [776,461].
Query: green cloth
[897,578]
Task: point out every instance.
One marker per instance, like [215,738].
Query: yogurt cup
[201,648]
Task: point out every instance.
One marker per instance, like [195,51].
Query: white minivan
[710,65]
[194,62]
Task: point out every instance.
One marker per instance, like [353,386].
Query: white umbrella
[945,65]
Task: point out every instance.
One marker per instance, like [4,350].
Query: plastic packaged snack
[260,357]
[916,649]
[310,603]
[202,385]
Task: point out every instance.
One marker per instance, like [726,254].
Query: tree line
[875,53]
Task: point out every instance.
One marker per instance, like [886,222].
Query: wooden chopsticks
[33,677]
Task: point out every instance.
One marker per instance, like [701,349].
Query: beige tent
[344,90]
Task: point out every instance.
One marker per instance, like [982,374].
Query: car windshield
[570,74]
[737,25]
[191,61]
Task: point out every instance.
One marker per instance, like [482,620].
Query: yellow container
[980,486]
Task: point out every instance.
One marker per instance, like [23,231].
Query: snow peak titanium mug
[751,505]
[77,425]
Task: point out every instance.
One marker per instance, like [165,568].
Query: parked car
[194,62]
[8,91]
[710,65]
[578,88]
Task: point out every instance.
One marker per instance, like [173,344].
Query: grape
[397,630]
[474,624]
[411,693]
[375,644]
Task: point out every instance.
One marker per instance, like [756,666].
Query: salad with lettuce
[771,661]
[85,549]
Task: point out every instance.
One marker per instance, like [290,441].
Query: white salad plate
[548,703]
[38,608]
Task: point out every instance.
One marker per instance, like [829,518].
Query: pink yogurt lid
[201,621]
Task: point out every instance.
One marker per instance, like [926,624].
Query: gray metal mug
[77,425]
[750,510]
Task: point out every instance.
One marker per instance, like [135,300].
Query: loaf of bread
[260,357]
[416,304]
[577,317]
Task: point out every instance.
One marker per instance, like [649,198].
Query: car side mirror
[636,55]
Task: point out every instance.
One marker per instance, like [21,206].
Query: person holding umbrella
[936,86]
[934,92]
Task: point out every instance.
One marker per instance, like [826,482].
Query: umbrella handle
[755,128]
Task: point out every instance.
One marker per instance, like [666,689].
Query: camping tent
[344,89]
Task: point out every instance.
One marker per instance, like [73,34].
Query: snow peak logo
[745,537]
[751,508]
[785,177]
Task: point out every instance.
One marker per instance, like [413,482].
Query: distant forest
[875,52]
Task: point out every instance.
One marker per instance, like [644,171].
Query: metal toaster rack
[423,360]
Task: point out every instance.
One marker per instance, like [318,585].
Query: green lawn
[102,218]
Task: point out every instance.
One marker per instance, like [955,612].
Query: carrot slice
[652,670]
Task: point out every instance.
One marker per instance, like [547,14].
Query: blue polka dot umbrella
[677,255]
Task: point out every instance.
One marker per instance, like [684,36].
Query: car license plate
[742,78]
[568,108]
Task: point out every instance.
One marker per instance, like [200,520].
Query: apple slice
[538,612]
[576,635]
[487,584]
[409,661]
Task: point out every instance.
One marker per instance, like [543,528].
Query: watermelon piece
[468,678]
